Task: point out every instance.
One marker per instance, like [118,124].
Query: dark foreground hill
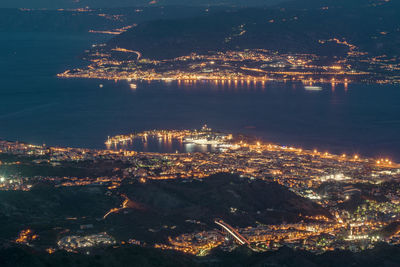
[218,195]
[156,209]
[240,202]
[298,26]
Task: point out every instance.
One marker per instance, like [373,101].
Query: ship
[200,141]
[313,88]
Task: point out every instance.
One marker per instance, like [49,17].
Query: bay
[38,107]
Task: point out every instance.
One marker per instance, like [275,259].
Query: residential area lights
[304,172]
[232,67]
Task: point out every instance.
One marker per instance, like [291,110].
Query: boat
[200,141]
[313,88]
[133,86]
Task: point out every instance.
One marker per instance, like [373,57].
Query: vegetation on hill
[298,27]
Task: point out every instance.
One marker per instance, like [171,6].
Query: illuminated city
[199,133]
[331,181]
[238,67]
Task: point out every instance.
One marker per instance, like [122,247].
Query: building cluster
[333,181]
[73,243]
[26,236]
[44,154]
[236,68]
[199,243]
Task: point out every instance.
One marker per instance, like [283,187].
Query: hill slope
[238,201]
[295,27]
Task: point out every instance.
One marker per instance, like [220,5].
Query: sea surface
[37,107]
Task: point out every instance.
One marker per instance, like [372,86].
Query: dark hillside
[374,26]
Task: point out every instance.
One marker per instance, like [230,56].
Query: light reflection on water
[37,107]
[163,145]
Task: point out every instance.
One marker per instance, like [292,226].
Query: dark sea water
[163,144]
[37,107]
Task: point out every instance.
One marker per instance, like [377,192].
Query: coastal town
[333,182]
[239,68]
[200,133]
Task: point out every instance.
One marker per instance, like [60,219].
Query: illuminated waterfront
[362,119]
[304,172]
[169,135]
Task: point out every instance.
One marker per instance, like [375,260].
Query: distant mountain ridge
[297,26]
[16,20]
